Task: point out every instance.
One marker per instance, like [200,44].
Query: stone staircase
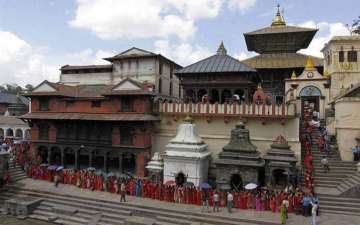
[77,210]
[15,171]
[332,186]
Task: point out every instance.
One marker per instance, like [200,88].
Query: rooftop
[279,37]
[219,63]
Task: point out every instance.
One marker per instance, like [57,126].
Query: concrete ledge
[137,220]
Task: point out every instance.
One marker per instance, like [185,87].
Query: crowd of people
[293,199]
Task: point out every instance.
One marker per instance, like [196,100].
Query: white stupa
[187,155]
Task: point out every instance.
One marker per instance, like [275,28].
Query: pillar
[140,164]
[90,158]
[49,156]
[62,157]
[105,161]
[76,159]
[120,162]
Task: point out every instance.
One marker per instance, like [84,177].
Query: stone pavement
[327,219]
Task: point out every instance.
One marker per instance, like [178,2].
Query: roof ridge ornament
[278,20]
[293,75]
[221,50]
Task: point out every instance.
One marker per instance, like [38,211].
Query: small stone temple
[186,158]
[239,163]
[280,163]
[155,168]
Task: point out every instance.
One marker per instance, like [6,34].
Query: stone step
[172,220]
[334,211]
[138,210]
[13,173]
[38,217]
[340,208]
[325,197]
[66,222]
[337,179]
[338,203]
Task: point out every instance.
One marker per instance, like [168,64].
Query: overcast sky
[39,36]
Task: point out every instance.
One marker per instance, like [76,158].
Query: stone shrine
[280,163]
[155,168]
[239,163]
[186,158]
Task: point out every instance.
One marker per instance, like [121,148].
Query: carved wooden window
[352,55]
[171,89]
[126,135]
[44,104]
[44,132]
[160,85]
[95,104]
[126,104]
[160,68]
[341,55]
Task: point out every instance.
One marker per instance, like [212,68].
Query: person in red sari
[198,197]
[272,203]
[291,203]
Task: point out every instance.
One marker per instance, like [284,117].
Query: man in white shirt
[230,199]
[216,201]
[325,164]
[313,213]
[285,202]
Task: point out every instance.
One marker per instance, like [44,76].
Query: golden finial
[309,64]
[326,73]
[293,75]
[278,19]
[221,50]
[259,86]
[188,119]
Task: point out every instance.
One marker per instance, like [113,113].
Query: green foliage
[15,89]
[355,28]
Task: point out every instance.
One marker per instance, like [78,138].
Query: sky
[37,37]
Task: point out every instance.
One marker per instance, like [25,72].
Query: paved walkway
[324,219]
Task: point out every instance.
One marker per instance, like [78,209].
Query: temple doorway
[310,97]
[180,178]
[236,182]
[280,177]
[43,153]
[129,163]
[55,156]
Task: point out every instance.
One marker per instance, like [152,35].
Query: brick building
[108,127]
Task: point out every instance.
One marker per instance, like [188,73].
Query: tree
[29,87]
[15,89]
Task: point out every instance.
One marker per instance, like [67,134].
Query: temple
[277,46]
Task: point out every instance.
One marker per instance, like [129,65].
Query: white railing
[230,109]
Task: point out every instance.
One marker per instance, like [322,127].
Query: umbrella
[91,169]
[44,165]
[188,184]
[59,168]
[170,182]
[250,186]
[111,174]
[205,186]
[52,167]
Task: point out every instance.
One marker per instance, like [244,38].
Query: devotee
[122,192]
[356,153]
[325,164]
[306,204]
[216,201]
[205,201]
[230,199]
[283,214]
[285,203]
[313,213]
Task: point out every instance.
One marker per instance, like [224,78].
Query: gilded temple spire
[221,50]
[309,64]
[278,19]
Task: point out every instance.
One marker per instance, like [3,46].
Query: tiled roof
[281,60]
[11,120]
[88,91]
[216,63]
[279,29]
[77,67]
[90,116]
[8,98]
